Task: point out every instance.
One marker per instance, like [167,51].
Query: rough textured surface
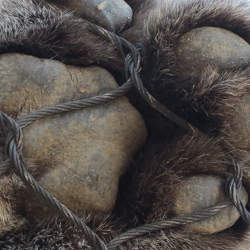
[79,155]
[200,192]
[212,46]
[156,29]
[113,15]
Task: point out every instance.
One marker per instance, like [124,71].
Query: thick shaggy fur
[171,155]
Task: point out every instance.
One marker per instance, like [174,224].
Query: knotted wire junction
[12,131]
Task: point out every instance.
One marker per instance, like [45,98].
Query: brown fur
[11,214]
[191,97]
[171,155]
[46,32]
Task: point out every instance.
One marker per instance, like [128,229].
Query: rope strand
[13,149]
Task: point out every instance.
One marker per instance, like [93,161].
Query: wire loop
[14,136]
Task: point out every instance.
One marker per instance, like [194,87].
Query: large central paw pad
[80,155]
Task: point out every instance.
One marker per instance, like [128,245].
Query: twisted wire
[136,79]
[13,134]
[234,185]
[177,221]
[14,145]
[70,106]
[132,69]
[78,104]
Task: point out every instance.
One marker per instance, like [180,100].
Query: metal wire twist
[132,69]
[70,106]
[177,221]
[13,133]
[234,185]
[78,104]
[14,144]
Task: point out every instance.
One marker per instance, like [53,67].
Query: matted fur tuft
[55,233]
[191,97]
[48,32]
[150,184]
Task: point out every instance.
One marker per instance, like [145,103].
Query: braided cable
[135,77]
[78,104]
[13,134]
[14,145]
[177,221]
[233,188]
[132,69]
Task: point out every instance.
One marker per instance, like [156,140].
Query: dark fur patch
[194,98]
[48,32]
